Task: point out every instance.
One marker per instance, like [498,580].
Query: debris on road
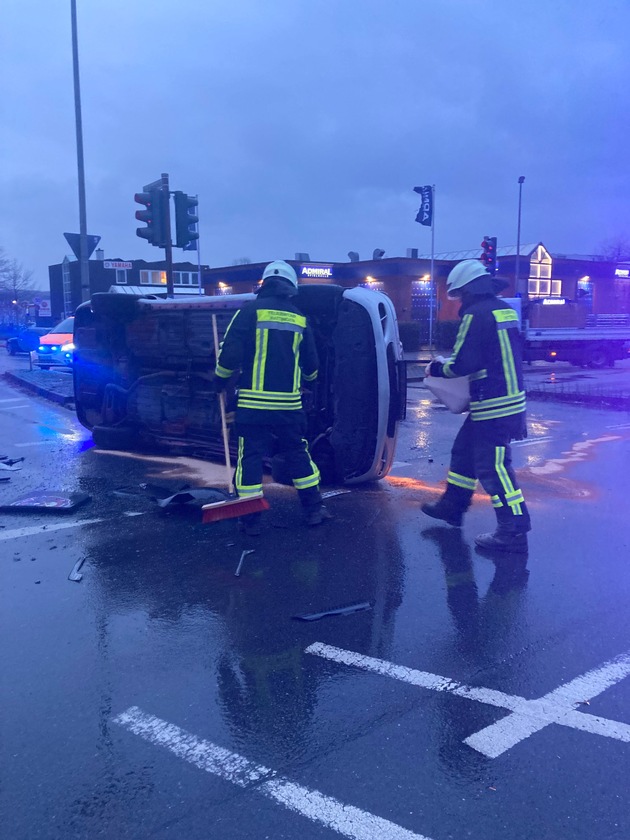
[347,610]
[74,574]
[330,493]
[194,495]
[240,562]
[46,501]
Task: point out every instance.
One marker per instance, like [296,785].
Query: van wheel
[598,357]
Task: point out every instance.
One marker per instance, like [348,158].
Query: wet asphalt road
[164,697]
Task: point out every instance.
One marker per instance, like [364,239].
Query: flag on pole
[425,213]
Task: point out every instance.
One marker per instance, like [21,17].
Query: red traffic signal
[156,203]
[489,253]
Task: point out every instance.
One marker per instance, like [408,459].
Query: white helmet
[280,268]
[464,273]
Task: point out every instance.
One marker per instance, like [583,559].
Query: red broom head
[233,508]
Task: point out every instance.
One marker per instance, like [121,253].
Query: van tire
[598,357]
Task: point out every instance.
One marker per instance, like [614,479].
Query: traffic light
[489,253]
[186,232]
[156,203]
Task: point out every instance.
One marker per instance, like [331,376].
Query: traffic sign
[74,241]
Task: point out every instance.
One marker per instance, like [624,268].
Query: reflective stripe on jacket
[272,345]
[488,350]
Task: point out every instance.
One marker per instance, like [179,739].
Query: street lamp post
[83,244]
[517,279]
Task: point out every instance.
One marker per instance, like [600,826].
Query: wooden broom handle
[221,396]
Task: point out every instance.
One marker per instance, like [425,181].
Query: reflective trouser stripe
[496,501]
[461,480]
[244,490]
[513,497]
[311,480]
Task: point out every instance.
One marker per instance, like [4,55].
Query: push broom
[232,507]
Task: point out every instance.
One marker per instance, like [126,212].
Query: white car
[143,369]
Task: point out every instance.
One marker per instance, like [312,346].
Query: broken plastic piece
[74,574]
[347,610]
[53,501]
[199,495]
[330,493]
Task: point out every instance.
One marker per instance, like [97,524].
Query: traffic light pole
[168,245]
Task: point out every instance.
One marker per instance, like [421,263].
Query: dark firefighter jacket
[488,350]
[272,345]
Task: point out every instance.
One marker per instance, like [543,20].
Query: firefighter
[488,350]
[273,346]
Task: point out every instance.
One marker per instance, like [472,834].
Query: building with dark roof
[602,286]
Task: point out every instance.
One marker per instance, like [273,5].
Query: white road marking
[531,441]
[553,708]
[528,716]
[11,407]
[16,533]
[316,806]
[37,442]
[619,426]
[12,400]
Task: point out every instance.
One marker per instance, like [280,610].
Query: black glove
[220,384]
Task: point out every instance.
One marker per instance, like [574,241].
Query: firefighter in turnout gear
[488,351]
[271,344]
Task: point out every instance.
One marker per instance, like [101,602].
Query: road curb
[53,396]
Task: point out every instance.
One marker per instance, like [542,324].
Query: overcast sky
[303,125]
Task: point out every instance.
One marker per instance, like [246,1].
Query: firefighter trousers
[481,451]
[257,440]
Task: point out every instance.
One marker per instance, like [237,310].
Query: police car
[143,369]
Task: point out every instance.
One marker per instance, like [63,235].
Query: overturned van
[143,370]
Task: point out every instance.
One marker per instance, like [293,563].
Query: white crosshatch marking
[316,806]
[528,716]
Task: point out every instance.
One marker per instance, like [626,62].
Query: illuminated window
[153,278]
[540,283]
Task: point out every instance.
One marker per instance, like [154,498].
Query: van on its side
[143,370]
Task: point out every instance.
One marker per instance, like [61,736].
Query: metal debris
[347,610]
[240,562]
[330,493]
[74,574]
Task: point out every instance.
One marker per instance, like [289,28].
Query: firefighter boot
[511,532]
[450,507]
[514,542]
[316,515]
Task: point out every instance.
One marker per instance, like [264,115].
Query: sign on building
[115,264]
[316,272]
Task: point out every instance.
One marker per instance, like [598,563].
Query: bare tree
[616,249]
[15,285]
[242,261]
